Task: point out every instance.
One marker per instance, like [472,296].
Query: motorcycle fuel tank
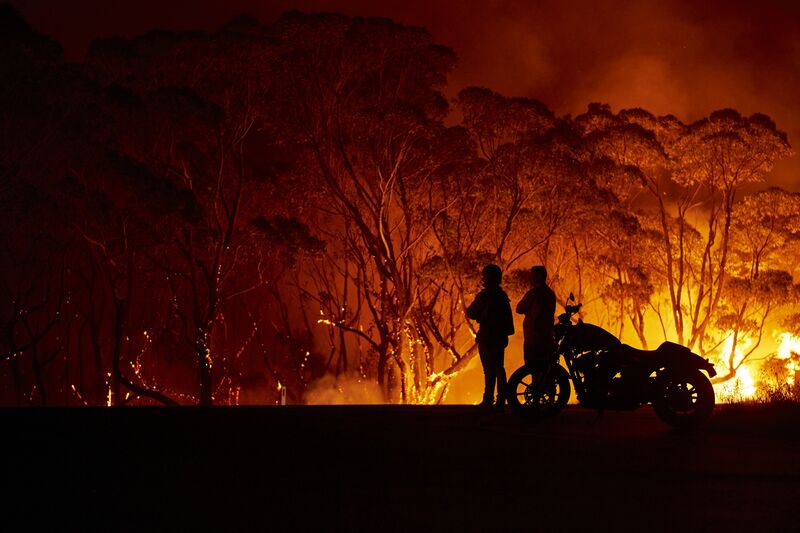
[585,337]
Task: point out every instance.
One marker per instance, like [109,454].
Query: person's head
[492,275]
[539,275]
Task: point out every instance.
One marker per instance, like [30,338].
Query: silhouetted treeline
[198,218]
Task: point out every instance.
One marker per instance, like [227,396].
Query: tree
[716,157]
[630,162]
[761,225]
[34,319]
[362,95]
[206,101]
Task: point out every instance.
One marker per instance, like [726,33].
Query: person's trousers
[492,358]
[538,354]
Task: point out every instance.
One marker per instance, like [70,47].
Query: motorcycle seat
[635,354]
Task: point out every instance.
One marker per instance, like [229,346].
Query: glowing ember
[110,394]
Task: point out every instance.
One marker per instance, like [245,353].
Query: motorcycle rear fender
[680,358]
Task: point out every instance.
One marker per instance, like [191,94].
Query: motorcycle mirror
[571,297]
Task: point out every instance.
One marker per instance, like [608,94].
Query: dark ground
[391,468]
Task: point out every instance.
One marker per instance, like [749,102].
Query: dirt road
[390,469]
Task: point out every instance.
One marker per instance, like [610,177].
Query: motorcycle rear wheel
[684,400]
[536,394]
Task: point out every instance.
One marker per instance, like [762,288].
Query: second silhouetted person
[538,305]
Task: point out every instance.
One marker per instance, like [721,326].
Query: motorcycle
[607,374]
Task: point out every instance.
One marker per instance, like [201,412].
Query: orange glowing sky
[683,57]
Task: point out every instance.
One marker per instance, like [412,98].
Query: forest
[232,217]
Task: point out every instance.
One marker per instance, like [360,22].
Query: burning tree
[362,96]
[714,158]
[629,149]
[762,225]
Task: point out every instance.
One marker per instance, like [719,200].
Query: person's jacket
[539,306]
[492,310]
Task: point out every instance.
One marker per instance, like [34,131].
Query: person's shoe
[500,406]
[486,406]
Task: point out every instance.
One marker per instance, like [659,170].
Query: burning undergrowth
[768,379]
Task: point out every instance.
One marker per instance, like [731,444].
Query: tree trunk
[17,380]
[639,326]
[119,325]
[203,353]
[37,374]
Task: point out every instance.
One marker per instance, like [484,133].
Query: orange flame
[743,386]
[789,350]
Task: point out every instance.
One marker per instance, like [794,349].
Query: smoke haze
[683,58]
[343,390]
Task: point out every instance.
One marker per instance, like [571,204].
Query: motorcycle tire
[536,394]
[684,400]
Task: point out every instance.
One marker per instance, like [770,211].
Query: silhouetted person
[492,309]
[539,307]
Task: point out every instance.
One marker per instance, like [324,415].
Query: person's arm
[536,308]
[475,309]
[525,303]
[509,318]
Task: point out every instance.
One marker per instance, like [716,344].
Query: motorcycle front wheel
[538,393]
[684,400]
